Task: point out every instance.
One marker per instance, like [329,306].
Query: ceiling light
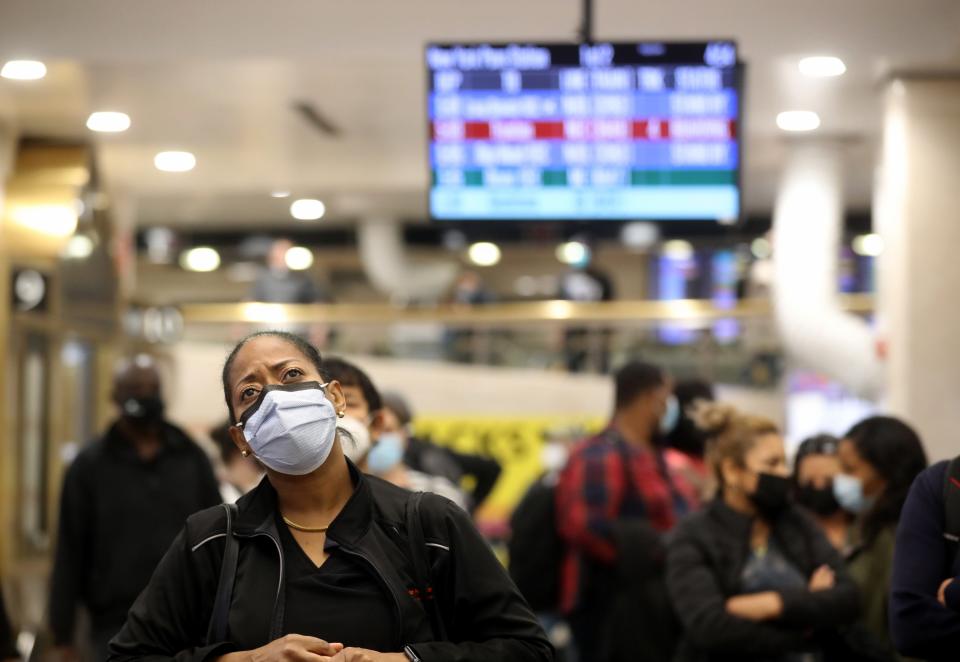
[639,235]
[280,194]
[24,70]
[202,258]
[678,249]
[298,258]
[868,245]
[80,247]
[108,122]
[822,66]
[484,254]
[525,286]
[307,209]
[269,313]
[761,248]
[175,161]
[573,252]
[53,220]
[798,120]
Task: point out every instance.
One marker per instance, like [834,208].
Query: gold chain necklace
[305,529]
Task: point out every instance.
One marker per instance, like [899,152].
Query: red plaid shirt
[593,493]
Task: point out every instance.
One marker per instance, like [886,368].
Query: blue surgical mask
[670,416]
[849,493]
[291,427]
[385,454]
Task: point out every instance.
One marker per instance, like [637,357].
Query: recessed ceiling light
[822,66]
[484,253]
[201,258]
[175,161]
[639,235]
[78,247]
[307,209]
[761,248]
[280,194]
[868,245]
[798,120]
[108,122]
[573,252]
[24,70]
[298,258]
[678,249]
[53,220]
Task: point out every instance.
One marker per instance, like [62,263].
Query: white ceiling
[218,78]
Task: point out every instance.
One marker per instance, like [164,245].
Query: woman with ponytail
[752,577]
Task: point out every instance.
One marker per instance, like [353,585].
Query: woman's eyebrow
[276,366]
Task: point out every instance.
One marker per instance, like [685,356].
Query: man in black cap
[124,499]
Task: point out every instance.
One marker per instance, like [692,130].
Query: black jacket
[118,515]
[484,614]
[705,560]
[924,558]
[426,457]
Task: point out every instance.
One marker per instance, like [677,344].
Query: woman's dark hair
[399,406]
[821,444]
[689,391]
[349,374]
[309,352]
[895,452]
[685,436]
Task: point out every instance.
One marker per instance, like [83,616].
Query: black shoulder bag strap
[421,567]
[951,507]
[219,617]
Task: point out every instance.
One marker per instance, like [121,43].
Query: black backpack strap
[951,501]
[219,617]
[421,567]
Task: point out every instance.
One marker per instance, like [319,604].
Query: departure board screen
[601,131]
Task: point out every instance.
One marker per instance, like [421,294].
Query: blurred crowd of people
[682,531]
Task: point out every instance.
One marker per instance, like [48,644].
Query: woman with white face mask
[880,457]
[321,563]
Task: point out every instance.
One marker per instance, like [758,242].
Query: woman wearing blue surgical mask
[321,563]
[880,457]
[386,460]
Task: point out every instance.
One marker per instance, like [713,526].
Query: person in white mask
[879,457]
[382,450]
[321,563]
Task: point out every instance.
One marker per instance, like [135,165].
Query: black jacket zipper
[398,630]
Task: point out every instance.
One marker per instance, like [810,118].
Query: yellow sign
[516,443]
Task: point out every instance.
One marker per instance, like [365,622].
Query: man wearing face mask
[124,499]
[616,499]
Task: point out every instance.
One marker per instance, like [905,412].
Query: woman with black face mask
[814,468]
[752,577]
